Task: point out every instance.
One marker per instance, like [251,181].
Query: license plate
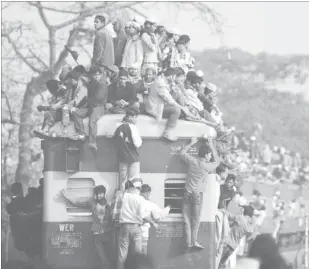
[66,240]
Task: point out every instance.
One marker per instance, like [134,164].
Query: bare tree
[43,71]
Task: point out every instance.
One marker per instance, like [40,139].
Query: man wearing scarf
[121,94]
[103,49]
[133,53]
[101,222]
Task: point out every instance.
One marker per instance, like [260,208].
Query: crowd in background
[148,69]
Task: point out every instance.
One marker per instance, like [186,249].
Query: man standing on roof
[133,53]
[150,43]
[128,142]
[103,49]
[198,169]
[120,40]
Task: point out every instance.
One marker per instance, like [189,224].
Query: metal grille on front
[173,195]
[79,189]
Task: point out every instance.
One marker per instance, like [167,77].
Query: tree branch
[7,101]
[91,11]
[55,9]
[52,46]
[9,121]
[38,59]
[20,55]
[64,53]
[42,15]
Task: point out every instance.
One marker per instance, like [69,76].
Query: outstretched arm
[82,204]
[187,147]
[214,151]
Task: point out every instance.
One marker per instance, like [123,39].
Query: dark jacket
[103,49]
[126,150]
[127,93]
[97,93]
[226,196]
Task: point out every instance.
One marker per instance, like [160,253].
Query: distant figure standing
[103,48]
[120,41]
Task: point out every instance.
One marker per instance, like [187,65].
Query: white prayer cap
[138,19]
[199,73]
[212,87]
[137,182]
[135,66]
[253,138]
[135,24]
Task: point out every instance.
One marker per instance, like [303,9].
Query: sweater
[128,143]
[103,49]
[159,95]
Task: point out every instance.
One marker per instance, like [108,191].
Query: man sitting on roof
[53,112]
[135,76]
[121,94]
[142,90]
[97,96]
[160,103]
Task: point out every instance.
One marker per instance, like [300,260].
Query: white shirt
[133,208]
[137,140]
[155,212]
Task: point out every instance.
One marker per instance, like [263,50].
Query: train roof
[150,127]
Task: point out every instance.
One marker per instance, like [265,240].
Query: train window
[173,195]
[79,189]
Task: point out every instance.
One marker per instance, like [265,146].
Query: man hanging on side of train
[198,170]
[101,222]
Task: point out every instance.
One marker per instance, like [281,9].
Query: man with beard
[121,94]
[101,222]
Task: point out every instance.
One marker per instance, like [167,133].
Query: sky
[273,27]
